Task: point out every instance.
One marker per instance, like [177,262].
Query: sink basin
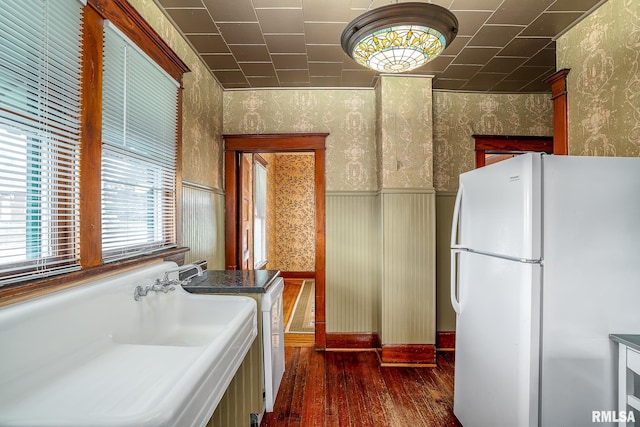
[181,320]
[92,355]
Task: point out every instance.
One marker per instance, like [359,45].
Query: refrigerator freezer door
[500,209]
[497,342]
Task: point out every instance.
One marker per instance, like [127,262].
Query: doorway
[235,148]
[494,148]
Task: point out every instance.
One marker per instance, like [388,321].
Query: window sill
[25,290]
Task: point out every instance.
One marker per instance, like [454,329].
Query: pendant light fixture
[399,37]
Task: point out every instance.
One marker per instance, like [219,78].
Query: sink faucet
[157,286]
[165,285]
[180,269]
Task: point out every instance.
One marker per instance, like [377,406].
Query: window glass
[39,138]
[260,215]
[139,122]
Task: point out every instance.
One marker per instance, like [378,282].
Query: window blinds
[39,133]
[139,133]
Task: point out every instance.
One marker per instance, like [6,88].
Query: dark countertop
[631,341]
[232,282]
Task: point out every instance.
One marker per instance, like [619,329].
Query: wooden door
[245,214]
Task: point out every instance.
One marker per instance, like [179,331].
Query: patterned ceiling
[502,45]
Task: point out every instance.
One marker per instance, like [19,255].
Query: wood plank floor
[336,389]
[289,296]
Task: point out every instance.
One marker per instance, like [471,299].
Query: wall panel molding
[198,186]
[408,268]
[392,190]
[203,224]
[353,262]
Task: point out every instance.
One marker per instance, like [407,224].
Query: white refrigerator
[545,265]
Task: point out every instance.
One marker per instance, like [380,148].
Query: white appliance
[545,265]
[272,341]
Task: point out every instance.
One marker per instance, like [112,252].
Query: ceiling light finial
[399,37]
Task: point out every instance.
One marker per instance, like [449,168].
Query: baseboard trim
[446,340]
[320,335]
[298,274]
[394,354]
[408,355]
[364,341]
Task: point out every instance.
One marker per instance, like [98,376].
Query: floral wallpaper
[348,116]
[355,162]
[295,231]
[457,116]
[603,53]
[405,137]
[202,98]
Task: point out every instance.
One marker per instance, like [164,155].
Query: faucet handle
[177,282]
[139,291]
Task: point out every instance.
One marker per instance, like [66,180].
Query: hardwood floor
[351,389]
[291,290]
[336,389]
[289,295]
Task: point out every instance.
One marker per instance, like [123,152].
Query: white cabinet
[628,378]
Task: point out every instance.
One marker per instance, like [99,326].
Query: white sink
[92,355]
[181,320]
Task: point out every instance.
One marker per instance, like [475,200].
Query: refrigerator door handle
[455,303]
[456,219]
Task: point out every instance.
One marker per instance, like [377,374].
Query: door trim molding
[235,146]
[509,144]
[558,82]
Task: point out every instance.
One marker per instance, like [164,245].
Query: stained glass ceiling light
[399,37]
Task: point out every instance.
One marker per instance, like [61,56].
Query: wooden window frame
[132,24]
[257,158]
